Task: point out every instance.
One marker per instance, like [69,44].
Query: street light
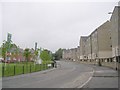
[115,59]
[118,57]
[96,59]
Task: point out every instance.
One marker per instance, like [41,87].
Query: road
[67,75]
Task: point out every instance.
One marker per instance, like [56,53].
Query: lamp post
[115,59]
[118,57]
[96,59]
[99,63]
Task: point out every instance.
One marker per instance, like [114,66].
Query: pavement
[103,77]
[66,75]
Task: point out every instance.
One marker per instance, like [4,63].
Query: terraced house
[83,48]
[78,53]
[115,33]
[103,44]
[97,44]
[89,48]
[71,54]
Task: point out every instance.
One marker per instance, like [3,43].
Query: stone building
[71,54]
[97,44]
[78,53]
[74,54]
[104,41]
[115,32]
[102,45]
[83,47]
[63,54]
[66,54]
[94,43]
[89,48]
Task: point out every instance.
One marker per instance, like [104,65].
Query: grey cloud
[52,25]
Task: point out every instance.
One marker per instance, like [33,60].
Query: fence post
[51,66]
[45,66]
[30,68]
[3,71]
[42,66]
[39,67]
[23,69]
[8,69]
[14,69]
[35,68]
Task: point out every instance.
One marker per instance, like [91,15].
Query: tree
[58,54]
[4,51]
[45,55]
[27,54]
[14,51]
[35,55]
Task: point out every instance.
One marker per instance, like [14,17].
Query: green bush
[45,56]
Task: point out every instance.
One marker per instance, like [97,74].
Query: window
[119,58]
[110,59]
[102,60]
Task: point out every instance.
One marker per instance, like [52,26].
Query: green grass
[21,68]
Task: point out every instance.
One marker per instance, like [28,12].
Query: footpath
[103,77]
[28,74]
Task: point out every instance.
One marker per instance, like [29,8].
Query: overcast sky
[52,25]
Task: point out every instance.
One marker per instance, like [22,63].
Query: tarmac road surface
[66,75]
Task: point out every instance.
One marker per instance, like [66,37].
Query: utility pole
[118,57]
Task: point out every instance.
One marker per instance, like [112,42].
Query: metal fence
[12,70]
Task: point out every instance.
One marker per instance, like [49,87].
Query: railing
[12,70]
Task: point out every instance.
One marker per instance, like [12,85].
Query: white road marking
[79,81]
[87,80]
